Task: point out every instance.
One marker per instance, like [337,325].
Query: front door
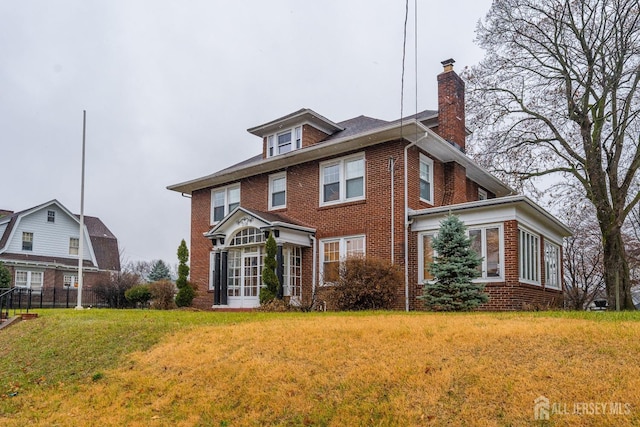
[243,290]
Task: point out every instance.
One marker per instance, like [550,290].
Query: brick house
[366,187]
[40,247]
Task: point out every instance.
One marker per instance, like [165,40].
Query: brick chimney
[451,125]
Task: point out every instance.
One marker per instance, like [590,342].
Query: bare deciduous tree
[557,93]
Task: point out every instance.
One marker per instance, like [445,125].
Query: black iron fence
[26,299]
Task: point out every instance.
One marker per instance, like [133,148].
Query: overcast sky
[170,88]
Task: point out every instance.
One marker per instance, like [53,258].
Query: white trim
[429,163]
[225,190]
[483,229]
[212,266]
[555,250]
[342,250]
[273,146]
[522,261]
[482,194]
[272,178]
[342,178]
[421,266]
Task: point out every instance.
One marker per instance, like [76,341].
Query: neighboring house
[40,247]
[366,187]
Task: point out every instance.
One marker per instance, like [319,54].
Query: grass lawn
[142,367]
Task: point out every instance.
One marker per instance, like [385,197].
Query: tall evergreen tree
[455,266]
[159,271]
[5,277]
[269,278]
[186,293]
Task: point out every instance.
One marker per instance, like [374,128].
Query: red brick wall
[503,296]
[451,117]
[201,246]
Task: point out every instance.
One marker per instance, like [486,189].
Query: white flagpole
[81,239]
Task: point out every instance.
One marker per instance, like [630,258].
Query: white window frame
[74,250]
[70,281]
[482,194]
[342,180]
[552,266]
[429,163]
[483,247]
[51,216]
[293,274]
[225,191]
[421,266]
[528,268]
[29,282]
[272,179]
[342,248]
[30,239]
[273,146]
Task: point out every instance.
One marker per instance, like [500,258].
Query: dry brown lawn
[373,369]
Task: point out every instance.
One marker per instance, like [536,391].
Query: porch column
[224,277]
[216,278]
[280,271]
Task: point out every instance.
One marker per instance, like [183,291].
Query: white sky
[170,88]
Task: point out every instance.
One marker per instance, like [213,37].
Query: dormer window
[283,142]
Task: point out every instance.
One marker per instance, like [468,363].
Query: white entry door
[243,289]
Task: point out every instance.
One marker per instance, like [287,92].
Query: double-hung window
[283,142]
[342,180]
[278,191]
[426,179]
[333,251]
[27,241]
[223,201]
[486,241]
[51,216]
[529,256]
[74,245]
[551,265]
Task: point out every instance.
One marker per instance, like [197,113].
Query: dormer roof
[302,116]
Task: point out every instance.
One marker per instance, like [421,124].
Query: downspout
[392,170]
[313,268]
[407,223]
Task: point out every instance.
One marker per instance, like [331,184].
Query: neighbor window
[27,241]
[482,194]
[29,280]
[529,254]
[70,281]
[486,242]
[284,142]
[333,251]
[278,191]
[426,179]
[74,245]
[342,180]
[223,201]
[51,216]
[552,265]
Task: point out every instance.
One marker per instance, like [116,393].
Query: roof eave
[313,152]
[564,230]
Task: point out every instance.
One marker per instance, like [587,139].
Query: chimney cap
[448,64]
